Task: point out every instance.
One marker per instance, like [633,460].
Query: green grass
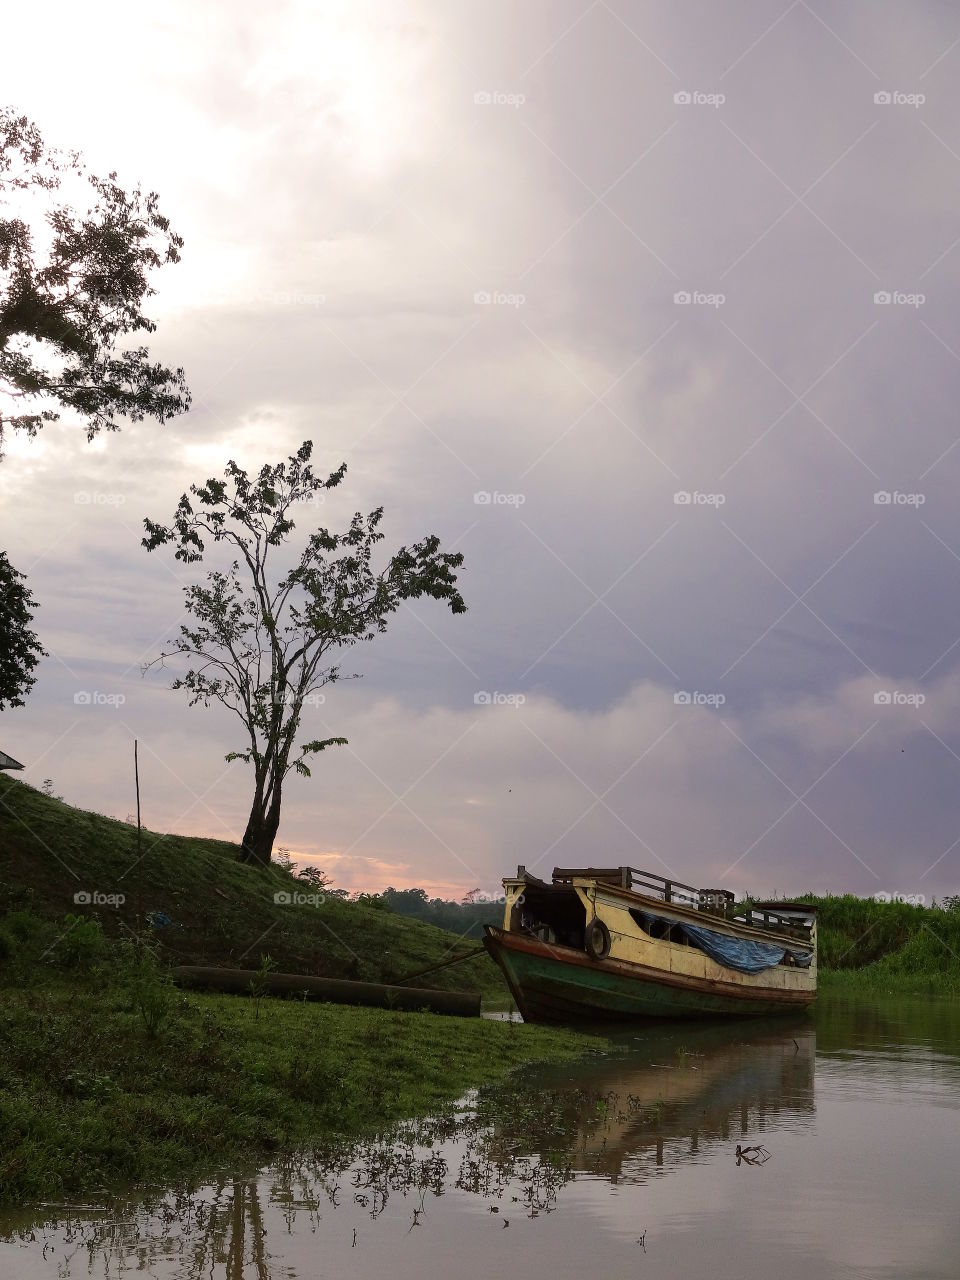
[110,1076]
[89,1100]
[874,947]
[222,911]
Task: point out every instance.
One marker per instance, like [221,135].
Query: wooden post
[136,779]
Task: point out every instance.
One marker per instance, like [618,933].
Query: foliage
[263,643]
[465,918]
[20,650]
[141,974]
[81,943]
[67,303]
[375,900]
[316,879]
[872,946]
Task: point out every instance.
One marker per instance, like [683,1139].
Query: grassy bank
[89,1098]
[215,909]
[109,1075]
[886,947]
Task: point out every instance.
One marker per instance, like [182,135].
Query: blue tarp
[742,954]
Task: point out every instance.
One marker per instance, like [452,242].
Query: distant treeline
[466,918]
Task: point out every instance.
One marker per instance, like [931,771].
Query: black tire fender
[596,939]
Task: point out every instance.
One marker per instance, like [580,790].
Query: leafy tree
[262,640]
[66,305]
[316,878]
[20,650]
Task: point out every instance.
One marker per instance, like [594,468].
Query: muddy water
[624,1166]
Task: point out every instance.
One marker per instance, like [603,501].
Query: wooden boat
[615,944]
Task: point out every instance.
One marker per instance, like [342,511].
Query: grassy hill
[220,911]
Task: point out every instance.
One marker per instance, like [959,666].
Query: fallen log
[463,1004]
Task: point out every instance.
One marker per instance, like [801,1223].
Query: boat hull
[559,984]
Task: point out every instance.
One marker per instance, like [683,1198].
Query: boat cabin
[558,910]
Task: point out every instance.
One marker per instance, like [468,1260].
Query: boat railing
[716,902]
[767,919]
[646,882]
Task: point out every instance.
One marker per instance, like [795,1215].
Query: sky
[650,310]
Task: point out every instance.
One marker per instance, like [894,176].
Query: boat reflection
[679,1091]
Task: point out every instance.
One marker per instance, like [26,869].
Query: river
[848,1121]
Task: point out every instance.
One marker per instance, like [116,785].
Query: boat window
[655,927]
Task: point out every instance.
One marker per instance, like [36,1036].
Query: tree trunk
[262,825]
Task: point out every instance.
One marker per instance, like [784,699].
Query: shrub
[25,926]
[147,985]
[81,944]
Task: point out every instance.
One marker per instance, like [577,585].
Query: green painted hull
[549,987]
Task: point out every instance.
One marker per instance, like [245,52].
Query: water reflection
[618,1118]
[457,1194]
[678,1093]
